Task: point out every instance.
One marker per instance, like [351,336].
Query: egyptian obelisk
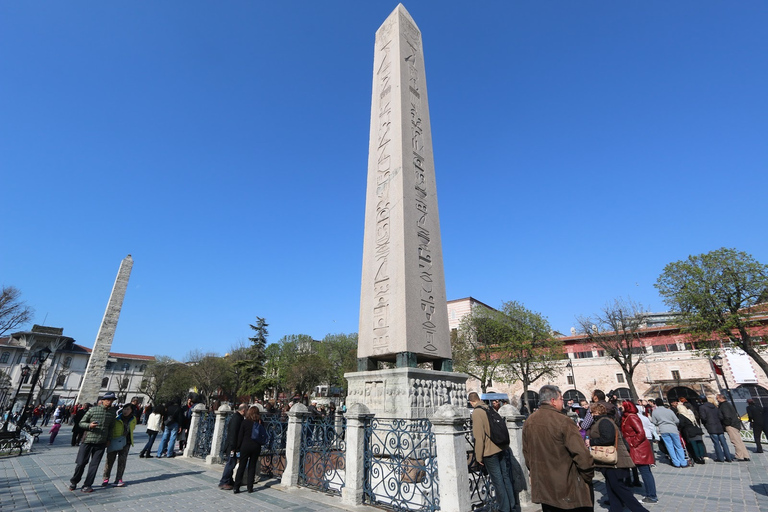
[94,372]
[403,310]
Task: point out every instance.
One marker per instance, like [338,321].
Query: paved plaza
[38,481]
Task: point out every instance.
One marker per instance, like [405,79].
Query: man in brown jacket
[491,456]
[559,462]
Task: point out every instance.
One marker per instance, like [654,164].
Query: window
[125,383]
[67,362]
[601,353]
[671,347]
[18,358]
[620,378]
[142,368]
[26,379]
[4,358]
[570,380]
[105,382]
[60,380]
[583,355]
[676,374]
[126,367]
[110,364]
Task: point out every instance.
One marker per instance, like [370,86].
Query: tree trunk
[631,382]
[754,354]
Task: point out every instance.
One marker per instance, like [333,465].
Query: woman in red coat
[640,449]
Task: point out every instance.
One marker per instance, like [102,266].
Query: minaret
[403,310]
[94,373]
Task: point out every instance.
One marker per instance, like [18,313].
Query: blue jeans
[169,439]
[148,447]
[675,449]
[720,447]
[648,480]
[498,470]
[229,468]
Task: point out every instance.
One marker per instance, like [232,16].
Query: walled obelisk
[403,310]
[94,372]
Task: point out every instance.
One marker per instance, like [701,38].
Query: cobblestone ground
[38,481]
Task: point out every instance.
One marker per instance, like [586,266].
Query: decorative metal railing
[481,490]
[223,455]
[204,437]
[273,453]
[749,437]
[400,462]
[322,454]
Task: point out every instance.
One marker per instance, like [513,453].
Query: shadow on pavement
[760,489]
[164,476]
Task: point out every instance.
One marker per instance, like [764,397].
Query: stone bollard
[194,426]
[293,445]
[448,427]
[357,415]
[222,414]
[520,477]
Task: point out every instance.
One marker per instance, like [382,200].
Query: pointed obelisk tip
[128,257]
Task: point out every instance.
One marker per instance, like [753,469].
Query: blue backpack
[259,434]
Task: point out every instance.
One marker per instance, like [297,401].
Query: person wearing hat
[97,424]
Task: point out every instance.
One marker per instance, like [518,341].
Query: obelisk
[403,310]
[94,372]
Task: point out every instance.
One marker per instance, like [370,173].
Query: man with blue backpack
[492,450]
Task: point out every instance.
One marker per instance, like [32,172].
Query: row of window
[32,359]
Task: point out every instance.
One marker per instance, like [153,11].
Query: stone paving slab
[38,482]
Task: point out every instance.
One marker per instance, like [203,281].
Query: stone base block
[406,392]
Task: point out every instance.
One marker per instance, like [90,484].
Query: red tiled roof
[120,355]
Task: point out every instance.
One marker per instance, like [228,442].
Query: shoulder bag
[606,455]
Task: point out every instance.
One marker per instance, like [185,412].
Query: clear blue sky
[579,147]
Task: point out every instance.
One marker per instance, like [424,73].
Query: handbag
[606,455]
[116,444]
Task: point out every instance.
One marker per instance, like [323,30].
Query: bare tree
[208,371]
[13,310]
[618,330]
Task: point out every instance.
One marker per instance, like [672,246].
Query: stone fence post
[520,477]
[357,415]
[293,445]
[222,413]
[448,427]
[194,426]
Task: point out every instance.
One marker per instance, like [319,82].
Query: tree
[13,310]
[479,346]
[208,372]
[533,352]
[340,353]
[234,378]
[252,367]
[165,379]
[617,330]
[294,364]
[715,293]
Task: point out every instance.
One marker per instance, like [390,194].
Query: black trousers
[249,458]
[618,493]
[87,451]
[550,508]
[758,431]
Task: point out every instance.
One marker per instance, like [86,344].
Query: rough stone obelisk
[94,372]
[403,310]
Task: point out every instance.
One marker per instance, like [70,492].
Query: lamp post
[573,377]
[24,373]
[718,362]
[42,355]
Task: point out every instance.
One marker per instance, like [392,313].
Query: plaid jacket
[100,434]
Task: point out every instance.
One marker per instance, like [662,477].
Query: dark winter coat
[603,433]
[640,450]
[728,415]
[756,413]
[233,430]
[560,465]
[710,418]
[244,441]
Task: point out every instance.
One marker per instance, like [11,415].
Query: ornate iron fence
[223,455]
[481,490]
[400,462]
[748,436]
[204,437]
[273,453]
[322,454]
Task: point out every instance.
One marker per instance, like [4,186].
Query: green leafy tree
[532,351]
[340,353]
[618,330]
[480,346]
[716,294]
[252,367]
[233,381]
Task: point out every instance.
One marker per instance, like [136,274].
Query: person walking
[640,449]
[227,483]
[55,430]
[756,415]
[667,421]
[732,424]
[154,427]
[711,421]
[248,449]
[605,432]
[493,457]
[122,433]
[77,432]
[97,422]
[560,465]
[171,423]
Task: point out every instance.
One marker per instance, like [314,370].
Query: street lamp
[24,374]
[42,355]
[718,362]
[573,377]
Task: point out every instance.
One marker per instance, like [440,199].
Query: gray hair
[547,393]
[242,407]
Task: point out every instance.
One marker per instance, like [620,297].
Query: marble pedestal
[406,392]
